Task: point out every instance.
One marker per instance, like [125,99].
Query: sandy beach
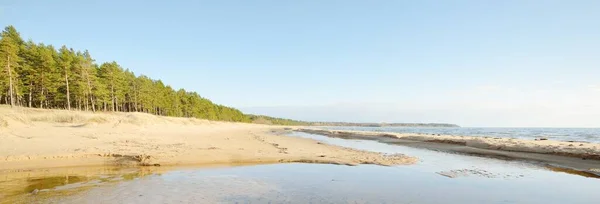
[581,156]
[49,155]
[36,138]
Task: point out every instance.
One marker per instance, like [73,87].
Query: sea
[559,134]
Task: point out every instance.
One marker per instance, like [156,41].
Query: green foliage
[42,77]
[261,119]
[11,45]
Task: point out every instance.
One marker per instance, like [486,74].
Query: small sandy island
[582,156]
[36,138]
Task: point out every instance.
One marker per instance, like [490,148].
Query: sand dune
[36,138]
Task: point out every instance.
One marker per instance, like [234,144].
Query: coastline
[580,156]
[37,138]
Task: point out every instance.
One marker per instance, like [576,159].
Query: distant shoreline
[383,124]
[263,119]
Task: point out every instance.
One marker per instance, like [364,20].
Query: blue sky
[474,63]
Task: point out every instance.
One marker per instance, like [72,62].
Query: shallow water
[309,183]
[504,182]
[560,134]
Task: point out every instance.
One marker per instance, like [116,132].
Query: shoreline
[580,156]
[38,138]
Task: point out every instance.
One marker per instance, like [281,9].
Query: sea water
[559,134]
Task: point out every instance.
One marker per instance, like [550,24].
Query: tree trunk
[18,97]
[10,89]
[30,93]
[112,96]
[42,91]
[42,98]
[86,104]
[68,94]
[90,91]
[135,99]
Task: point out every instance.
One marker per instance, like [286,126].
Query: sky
[476,63]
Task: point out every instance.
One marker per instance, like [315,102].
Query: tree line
[263,119]
[37,75]
[383,124]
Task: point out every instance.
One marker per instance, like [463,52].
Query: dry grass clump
[21,115]
[28,115]
[59,117]
[9,116]
[97,119]
[180,120]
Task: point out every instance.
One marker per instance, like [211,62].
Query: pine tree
[29,71]
[130,91]
[100,89]
[111,75]
[145,93]
[47,74]
[65,65]
[10,46]
[89,75]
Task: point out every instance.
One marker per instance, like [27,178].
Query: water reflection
[511,182]
[36,185]
[574,172]
[44,183]
[319,183]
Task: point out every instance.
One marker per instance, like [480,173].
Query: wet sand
[35,138]
[578,156]
[474,180]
